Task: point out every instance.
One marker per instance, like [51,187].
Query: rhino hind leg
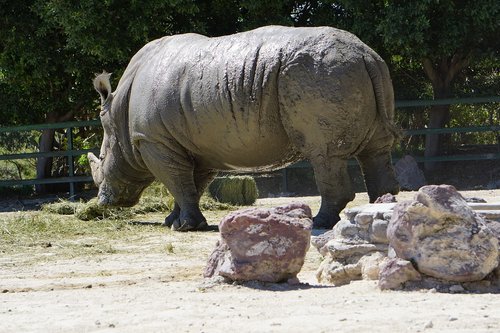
[376,165]
[334,185]
[175,169]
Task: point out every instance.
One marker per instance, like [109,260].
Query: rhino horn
[95,167]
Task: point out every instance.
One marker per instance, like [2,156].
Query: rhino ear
[103,87]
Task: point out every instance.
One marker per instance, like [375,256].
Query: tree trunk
[441,74]
[438,118]
[46,144]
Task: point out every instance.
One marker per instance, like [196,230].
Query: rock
[386,198]
[494,226]
[370,265]
[343,229]
[264,244]
[375,210]
[320,241]
[345,250]
[354,248]
[395,272]
[428,325]
[456,288]
[408,174]
[475,200]
[364,219]
[378,232]
[442,236]
[333,272]
[494,184]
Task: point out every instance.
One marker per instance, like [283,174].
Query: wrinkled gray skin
[188,106]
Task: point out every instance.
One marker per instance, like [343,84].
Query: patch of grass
[42,231]
[153,204]
[209,203]
[169,248]
[93,211]
[62,207]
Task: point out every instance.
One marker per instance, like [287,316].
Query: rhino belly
[240,151]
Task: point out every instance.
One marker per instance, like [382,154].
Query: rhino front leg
[334,185]
[175,169]
[202,179]
[174,215]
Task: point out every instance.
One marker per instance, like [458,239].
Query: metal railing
[70,153]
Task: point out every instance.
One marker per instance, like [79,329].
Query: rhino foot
[325,221]
[171,218]
[187,222]
[187,226]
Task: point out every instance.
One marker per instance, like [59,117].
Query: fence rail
[70,153]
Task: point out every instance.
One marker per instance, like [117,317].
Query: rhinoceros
[188,106]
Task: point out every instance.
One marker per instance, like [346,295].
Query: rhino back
[218,97]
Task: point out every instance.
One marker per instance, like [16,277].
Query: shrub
[236,190]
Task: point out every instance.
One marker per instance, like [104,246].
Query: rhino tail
[103,87]
[384,94]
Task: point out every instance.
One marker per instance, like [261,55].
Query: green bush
[236,190]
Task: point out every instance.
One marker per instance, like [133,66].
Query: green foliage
[237,190]
[51,49]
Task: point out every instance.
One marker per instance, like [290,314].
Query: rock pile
[355,248]
[263,244]
[435,238]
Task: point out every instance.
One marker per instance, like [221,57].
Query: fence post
[71,166]
[284,180]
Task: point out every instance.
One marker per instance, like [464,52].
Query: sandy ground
[159,292]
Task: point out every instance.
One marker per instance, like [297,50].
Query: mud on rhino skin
[188,106]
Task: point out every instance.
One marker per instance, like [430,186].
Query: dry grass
[72,229]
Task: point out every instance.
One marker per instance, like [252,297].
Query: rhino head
[120,183]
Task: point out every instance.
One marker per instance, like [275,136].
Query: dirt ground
[141,290]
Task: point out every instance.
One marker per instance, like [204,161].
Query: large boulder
[442,236]
[264,244]
[408,174]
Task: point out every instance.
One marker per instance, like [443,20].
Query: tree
[51,50]
[443,37]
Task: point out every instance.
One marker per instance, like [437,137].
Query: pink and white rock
[264,244]
[386,198]
[395,272]
[443,236]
